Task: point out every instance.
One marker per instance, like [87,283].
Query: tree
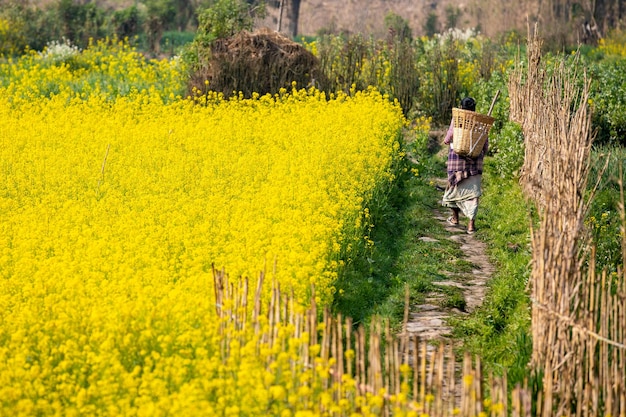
[126,22]
[185,14]
[29,27]
[291,9]
[80,22]
[159,14]
[224,19]
[432,24]
[293,12]
[399,26]
[452,16]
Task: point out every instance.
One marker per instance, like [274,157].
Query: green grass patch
[499,331]
[374,284]
[454,298]
[463,266]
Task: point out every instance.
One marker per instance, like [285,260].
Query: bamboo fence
[381,360]
[578,316]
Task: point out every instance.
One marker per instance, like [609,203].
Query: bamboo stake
[349,344]
[516,403]
[422,398]
[396,365]
[493,102]
[439,381]
[477,386]
[415,368]
[451,381]
[468,382]
[339,350]
[361,355]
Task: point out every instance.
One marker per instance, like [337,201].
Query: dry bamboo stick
[405,318]
[339,349]
[376,361]
[478,386]
[516,402]
[468,381]
[244,306]
[349,361]
[416,368]
[396,363]
[361,355]
[422,397]
[439,381]
[431,373]
[451,393]
[313,318]
[325,335]
[333,348]
[388,377]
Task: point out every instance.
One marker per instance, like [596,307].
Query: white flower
[59,51]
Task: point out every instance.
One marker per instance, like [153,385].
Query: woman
[464,178]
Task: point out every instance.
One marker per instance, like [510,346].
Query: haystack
[263,62]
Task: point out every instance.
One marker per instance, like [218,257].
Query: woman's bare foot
[454,219]
[471,229]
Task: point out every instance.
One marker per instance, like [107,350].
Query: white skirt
[464,196]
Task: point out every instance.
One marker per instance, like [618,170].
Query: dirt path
[428,320]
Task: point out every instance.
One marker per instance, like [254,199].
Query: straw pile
[256,62]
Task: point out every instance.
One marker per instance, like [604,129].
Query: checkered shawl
[461,167]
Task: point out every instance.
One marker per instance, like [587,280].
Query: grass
[423,253]
[499,331]
[368,278]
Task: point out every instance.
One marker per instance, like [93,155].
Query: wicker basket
[471,130]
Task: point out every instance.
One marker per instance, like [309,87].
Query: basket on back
[471,130]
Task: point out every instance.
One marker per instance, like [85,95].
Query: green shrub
[81,22]
[440,85]
[608,101]
[26,27]
[507,147]
[399,26]
[127,22]
[603,220]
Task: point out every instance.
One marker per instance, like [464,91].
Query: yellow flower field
[114,210]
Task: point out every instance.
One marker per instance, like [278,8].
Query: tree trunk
[279,26]
[294,13]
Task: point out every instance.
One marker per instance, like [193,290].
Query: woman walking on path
[464,178]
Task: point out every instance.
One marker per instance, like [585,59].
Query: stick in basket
[493,102]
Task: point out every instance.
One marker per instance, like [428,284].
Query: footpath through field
[428,320]
[459,281]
